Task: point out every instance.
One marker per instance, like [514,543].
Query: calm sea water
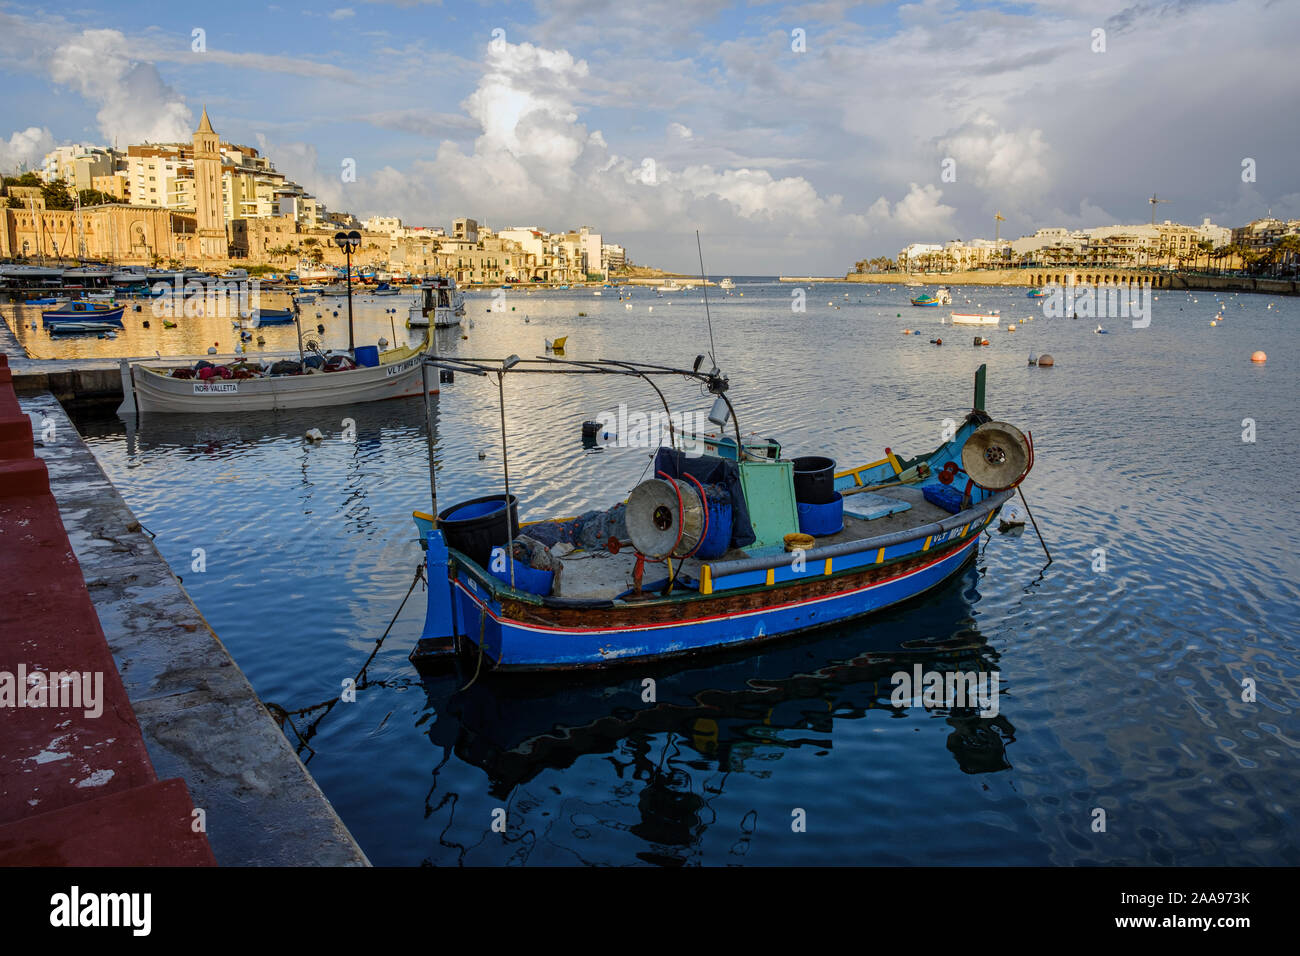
[1121,689]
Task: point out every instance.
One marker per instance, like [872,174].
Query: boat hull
[157,393]
[518,635]
[958,318]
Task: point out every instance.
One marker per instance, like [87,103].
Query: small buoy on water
[1046,361]
[320,327]
[314,435]
[261,340]
[482,455]
[145,323]
[1259,356]
[1033,359]
[212,349]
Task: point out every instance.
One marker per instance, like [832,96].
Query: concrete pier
[200,718]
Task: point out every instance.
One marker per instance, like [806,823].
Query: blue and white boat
[259,317]
[98,312]
[749,546]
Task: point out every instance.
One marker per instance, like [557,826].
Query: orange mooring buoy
[1046,361]
[1259,356]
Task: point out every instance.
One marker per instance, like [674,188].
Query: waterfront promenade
[84,588]
[77,785]
[1076,275]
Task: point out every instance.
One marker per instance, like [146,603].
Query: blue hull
[511,644]
[55,318]
[274,317]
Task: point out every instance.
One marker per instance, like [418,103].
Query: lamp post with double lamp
[347,241]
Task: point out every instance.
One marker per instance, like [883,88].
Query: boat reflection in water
[736,715]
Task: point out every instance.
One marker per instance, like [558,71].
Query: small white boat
[670,286]
[975,318]
[160,390]
[726,284]
[440,299]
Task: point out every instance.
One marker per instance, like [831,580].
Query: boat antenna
[704,284]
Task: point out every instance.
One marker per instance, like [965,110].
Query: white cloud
[135,105]
[342,13]
[25,148]
[1010,165]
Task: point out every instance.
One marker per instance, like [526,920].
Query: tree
[56,195]
[93,197]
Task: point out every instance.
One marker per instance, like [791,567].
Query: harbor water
[1148,678]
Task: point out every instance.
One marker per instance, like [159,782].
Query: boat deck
[599,575]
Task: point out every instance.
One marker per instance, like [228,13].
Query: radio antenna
[704,283]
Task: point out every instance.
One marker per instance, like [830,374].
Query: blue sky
[653,119]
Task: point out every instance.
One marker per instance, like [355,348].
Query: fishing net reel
[997,456]
[666,518]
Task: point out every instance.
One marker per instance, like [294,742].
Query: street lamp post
[347,241]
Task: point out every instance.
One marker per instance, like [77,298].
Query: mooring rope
[359,680]
[482,623]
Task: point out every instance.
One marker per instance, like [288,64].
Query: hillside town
[212,204]
[1266,243]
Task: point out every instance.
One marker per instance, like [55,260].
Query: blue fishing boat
[98,312]
[747,545]
[260,317]
[1035,294]
[940,297]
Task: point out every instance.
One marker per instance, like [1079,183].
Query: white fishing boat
[670,286]
[726,284]
[439,303]
[244,386]
[975,318]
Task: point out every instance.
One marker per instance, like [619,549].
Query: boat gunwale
[501,591]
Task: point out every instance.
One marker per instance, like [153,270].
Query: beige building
[141,235]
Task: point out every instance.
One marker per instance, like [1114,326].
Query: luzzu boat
[940,297]
[888,531]
[1036,294]
[77,312]
[396,373]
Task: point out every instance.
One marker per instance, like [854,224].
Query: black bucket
[477,526]
[814,480]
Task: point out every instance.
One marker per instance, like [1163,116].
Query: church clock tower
[209,207]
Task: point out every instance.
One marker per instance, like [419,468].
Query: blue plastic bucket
[718,540]
[820,520]
[367,355]
[528,579]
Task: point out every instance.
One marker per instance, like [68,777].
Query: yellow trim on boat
[926,546]
[424,515]
[857,472]
[771,576]
[706,579]
[828,566]
[965,528]
[894,462]
[880,556]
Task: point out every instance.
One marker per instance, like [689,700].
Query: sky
[796,137]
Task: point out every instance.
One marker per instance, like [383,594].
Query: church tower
[208,203]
